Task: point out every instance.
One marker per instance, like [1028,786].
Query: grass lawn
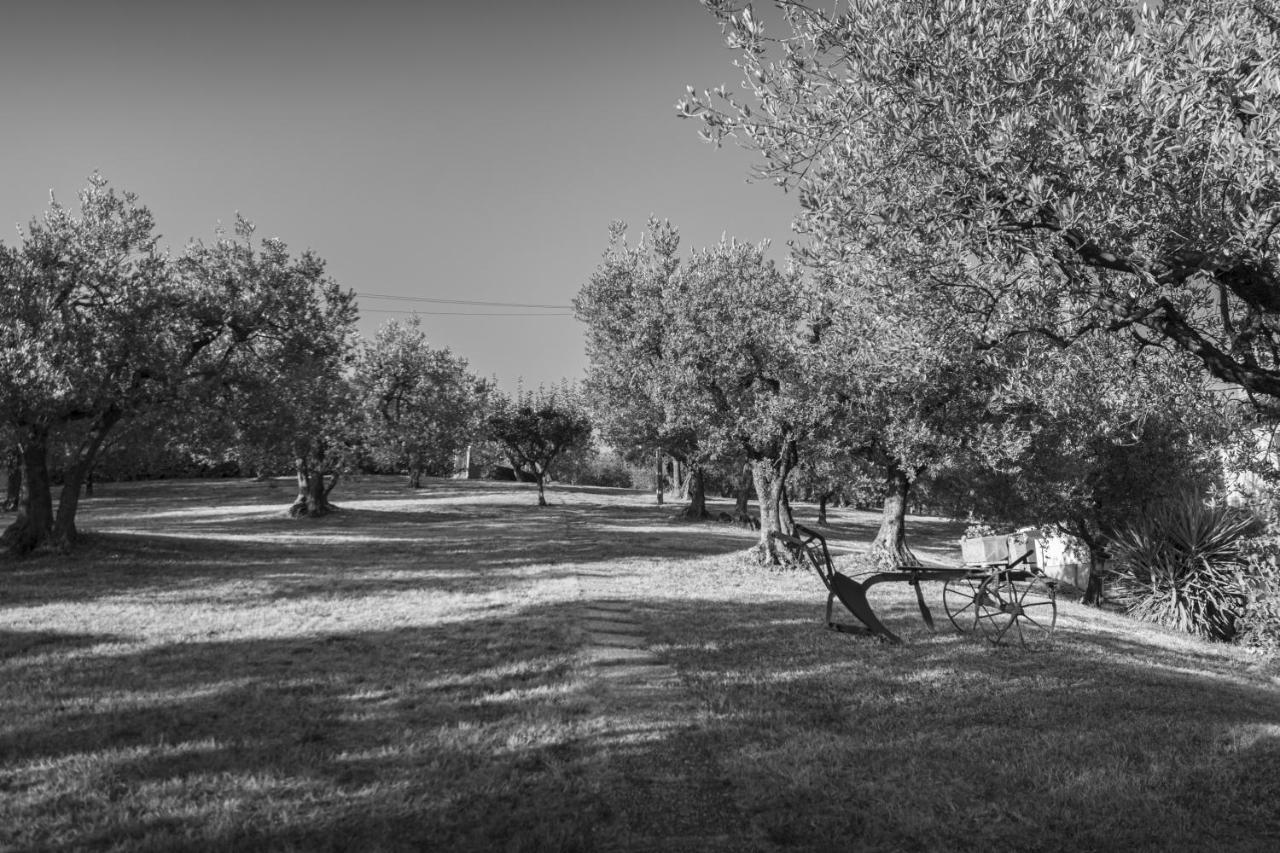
[412,674]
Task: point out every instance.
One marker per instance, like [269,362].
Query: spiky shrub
[1181,564]
[1259,622]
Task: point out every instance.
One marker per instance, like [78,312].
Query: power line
[458,301]
[457,313]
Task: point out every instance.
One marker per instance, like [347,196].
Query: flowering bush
[979,529]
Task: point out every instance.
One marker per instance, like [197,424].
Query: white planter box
[1059,558]
[984,550]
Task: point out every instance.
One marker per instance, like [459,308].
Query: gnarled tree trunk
[13,484]
[770,477]
[697,508]
[889,548]
[314,487]
[34,524]
[682,477]
[540,474]
[1098,557]
[822,508]
[76,476]
[1093,588]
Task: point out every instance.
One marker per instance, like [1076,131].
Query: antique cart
[1004,597]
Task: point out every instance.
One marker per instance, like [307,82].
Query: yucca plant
[1181,564]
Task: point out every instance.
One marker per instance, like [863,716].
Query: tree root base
[745,519]
[301,510]
[691,514]
[887,559]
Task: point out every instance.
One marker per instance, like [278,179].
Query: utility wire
[458,301]
[457,313]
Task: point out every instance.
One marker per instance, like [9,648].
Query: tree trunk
[1093,589]
[34,524]
[697,508]
[683,474]
[657,474]
[414,464]
[746,482]
[13,487]
[890,545]
[1098,557]
[542,496]
[788,519]
[770,481]
[75,477]
[822,508]
[313,492]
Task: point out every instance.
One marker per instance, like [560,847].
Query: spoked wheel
[960,600]
[1016,609]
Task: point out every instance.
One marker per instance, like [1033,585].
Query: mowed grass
[410,674]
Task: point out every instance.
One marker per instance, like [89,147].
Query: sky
[426,150]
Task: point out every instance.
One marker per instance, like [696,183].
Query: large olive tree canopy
[1088,163]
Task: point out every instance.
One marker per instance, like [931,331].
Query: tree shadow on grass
[362,552]
[950,743]
[464,735]
[14,644]
[183,535]
[479,735]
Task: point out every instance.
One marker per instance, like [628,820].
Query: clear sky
[466,151]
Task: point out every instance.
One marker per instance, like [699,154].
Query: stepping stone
[612,655]
[611,626]
[612,606]
[608,615]
[622,621]
[609,612]
[630,641]
[637,681]
[604,608]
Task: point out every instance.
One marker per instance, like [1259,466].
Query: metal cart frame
[1007,601]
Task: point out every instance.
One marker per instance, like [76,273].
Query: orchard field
[417,671]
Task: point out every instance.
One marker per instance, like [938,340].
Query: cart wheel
[960,600]
[1022,611]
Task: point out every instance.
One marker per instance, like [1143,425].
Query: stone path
[674,793]
[615,647]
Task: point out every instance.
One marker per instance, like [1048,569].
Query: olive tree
[737,344]
[535,427]
[1131,151]
[632,371]
[286,380]
[90,331]
[911,386]
[1106,433]
[423,405]
[98,326]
